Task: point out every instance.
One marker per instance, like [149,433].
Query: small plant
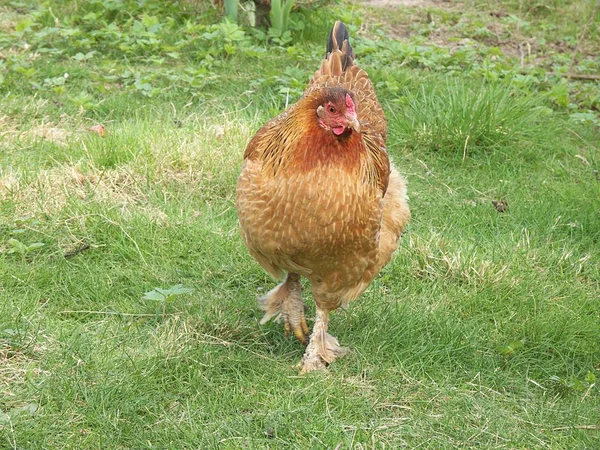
[572,384]
[511,349]
[231,10]
[280,15]
[584,117]
[165,296]
[26,409]
[19,248]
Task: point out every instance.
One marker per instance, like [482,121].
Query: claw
[284,302]
[286,328]
[299,333]
[300,330]
[304,326]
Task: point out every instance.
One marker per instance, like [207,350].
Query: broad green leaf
[154,296]
[35,246]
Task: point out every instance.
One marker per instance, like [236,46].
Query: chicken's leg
[323,348]
[285,302]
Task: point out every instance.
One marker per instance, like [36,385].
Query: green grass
[483,332]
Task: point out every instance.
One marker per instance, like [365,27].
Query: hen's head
[336,112]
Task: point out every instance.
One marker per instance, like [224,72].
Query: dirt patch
[455,25]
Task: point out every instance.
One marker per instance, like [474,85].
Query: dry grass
[51,190]
[434,259]
[50,133]
[7,20]
[8,130]
[14,130]
[197,161]
[16,364]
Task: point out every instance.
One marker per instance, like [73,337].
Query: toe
[311,363]
[300,330]
[304,326]
[300,334]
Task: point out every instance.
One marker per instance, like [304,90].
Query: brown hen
[318,198]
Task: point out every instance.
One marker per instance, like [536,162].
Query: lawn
[128,313]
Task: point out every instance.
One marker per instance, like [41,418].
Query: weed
[280,14]
[166,296]
[462,118]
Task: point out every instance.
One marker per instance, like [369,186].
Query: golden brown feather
[318,198]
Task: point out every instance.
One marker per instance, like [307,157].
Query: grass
[481,333]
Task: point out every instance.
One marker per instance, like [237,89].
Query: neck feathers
[318,147]
[300,143]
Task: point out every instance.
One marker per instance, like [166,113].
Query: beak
[353,123]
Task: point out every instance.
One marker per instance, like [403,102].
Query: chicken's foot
[285,302]
[323,348]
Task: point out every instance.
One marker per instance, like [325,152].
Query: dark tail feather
[339,39]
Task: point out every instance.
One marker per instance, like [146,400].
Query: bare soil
[529,49]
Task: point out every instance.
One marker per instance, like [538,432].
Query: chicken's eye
[331,109]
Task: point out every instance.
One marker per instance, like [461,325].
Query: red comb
[350,104]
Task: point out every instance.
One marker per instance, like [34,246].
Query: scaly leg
[323,348]
[285,302]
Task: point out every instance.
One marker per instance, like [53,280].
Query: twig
[582,35]
[112,313]
[12,432]
[578,427]
[465,147]
[587,392]
[522,55]
[218,341]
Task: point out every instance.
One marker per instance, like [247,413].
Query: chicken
[318,198]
